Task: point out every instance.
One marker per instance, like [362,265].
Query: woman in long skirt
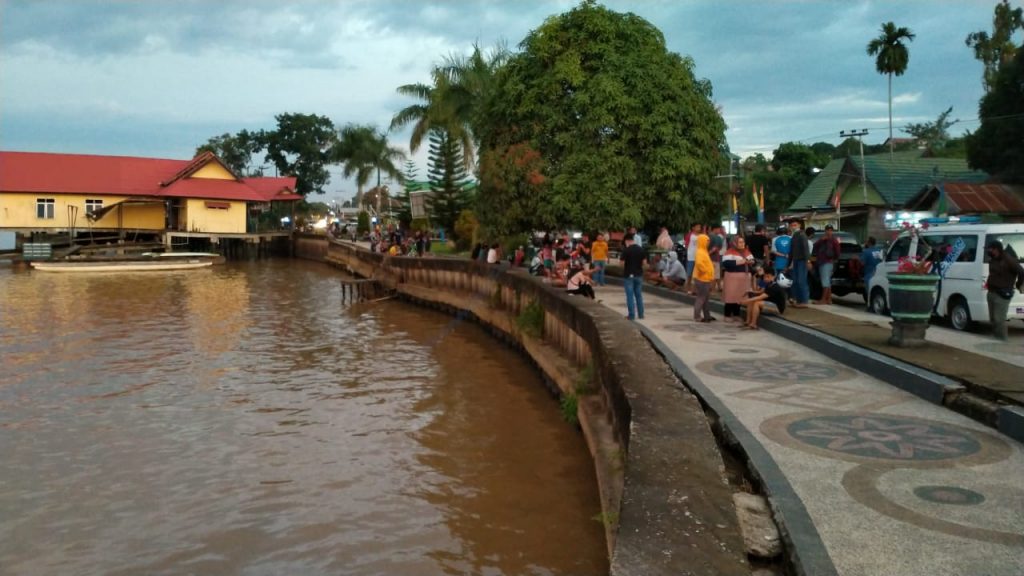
[736,266]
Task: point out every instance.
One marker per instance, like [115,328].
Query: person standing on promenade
[780,249]
[1004,275]
[691,255]
[869,259]
[703,280]
[715,250]
[664,241]
[634,258]
[826,253]
[758,243]
[599,255]
[799,253]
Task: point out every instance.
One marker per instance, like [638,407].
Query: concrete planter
[911,298]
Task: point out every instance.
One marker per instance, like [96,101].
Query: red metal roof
[997,198]
[277,188]
[47,173]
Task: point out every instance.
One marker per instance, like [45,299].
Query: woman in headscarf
[703,280]
[736,266]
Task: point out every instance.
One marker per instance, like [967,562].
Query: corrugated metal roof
[997,198]
[48,173]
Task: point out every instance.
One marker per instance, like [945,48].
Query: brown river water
[243,420]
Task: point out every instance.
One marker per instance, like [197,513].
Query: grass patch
[531,320]
[585,381]
[447,249]
[609,520]
[570,405]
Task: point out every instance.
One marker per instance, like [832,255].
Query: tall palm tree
[362,149]
[454,101]
[892,58]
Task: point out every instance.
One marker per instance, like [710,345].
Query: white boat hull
[119,266]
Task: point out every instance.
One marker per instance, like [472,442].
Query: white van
[961,297]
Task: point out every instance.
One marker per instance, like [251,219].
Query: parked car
[847,276]
[961,292]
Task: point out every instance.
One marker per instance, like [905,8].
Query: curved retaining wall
[666,505]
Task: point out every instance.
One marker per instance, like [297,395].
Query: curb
[931,386]
[807,552]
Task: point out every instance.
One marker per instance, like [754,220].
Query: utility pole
[863,170]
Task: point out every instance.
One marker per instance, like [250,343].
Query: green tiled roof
[819,191]
[904,176]
[893,181]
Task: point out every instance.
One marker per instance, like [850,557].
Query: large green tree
[891,58]
[998,145]
[235,151]
[447,176]
[996,49]
[300,146]
[624,131]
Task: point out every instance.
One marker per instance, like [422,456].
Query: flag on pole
[835,199]
[760,206]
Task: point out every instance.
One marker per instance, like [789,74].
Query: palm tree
[892,58]
[454,102]
[362,150]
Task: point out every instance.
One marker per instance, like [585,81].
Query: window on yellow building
[44,208]
[93,205]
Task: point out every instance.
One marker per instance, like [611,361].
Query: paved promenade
[868,479]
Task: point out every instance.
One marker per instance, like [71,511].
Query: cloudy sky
[159,77]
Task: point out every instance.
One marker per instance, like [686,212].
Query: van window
[1012,242]
[899,249]
[943,245]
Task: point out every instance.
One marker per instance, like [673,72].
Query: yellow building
[86,194]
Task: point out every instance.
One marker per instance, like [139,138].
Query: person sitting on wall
[770,298]
[580,283]
[658,264]
[674,275]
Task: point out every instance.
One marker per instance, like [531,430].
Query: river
[244,420]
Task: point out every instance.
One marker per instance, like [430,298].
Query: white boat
[121,265]
[210,255]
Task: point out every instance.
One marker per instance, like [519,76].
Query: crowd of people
[756,272]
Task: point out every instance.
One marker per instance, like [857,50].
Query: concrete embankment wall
[666,505]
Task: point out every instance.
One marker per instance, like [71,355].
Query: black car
[847,276]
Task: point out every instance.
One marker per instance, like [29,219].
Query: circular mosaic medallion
[864,485]
[884,439]
[774,370]
[949,495]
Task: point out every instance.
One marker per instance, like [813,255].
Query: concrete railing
[666,505]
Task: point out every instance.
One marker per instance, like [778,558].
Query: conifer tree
[447,177]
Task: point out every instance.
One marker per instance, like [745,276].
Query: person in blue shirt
[870,258]
[780,249]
